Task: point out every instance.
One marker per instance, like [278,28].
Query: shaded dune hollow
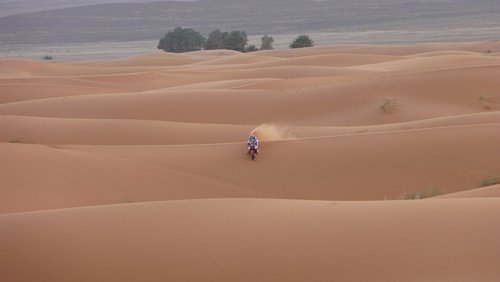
[376,163]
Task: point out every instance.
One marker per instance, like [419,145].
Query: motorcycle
[252,150]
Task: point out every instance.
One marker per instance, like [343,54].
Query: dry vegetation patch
[491,180]
[487,101]
[390,105]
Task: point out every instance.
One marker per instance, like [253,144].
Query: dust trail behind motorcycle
[271,132]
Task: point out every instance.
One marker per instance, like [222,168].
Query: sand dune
[27,67]
[136,169]
[159,58]
[249,240]
[25,92]
[421,95]
[413,161]
[31,68]
[436,62]
[333,60]
[391,50]
[35,130]
[39,177]
[417,160]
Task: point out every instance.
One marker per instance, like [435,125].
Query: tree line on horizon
[181,40]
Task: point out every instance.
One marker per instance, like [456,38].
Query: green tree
[236,40]
[251,48]
[302,41]
[216,40]
[181,40]
[267,43]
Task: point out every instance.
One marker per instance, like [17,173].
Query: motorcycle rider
[253,142]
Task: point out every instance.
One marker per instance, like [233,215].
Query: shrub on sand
[420,195]
[390,105]
[491,180]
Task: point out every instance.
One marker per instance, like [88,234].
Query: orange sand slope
[256,240]
[136,169]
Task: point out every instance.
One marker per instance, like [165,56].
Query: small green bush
[251,48]
[302,41]
[267,43]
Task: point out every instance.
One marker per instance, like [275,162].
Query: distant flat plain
[114,50]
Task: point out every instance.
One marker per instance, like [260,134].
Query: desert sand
[136,169]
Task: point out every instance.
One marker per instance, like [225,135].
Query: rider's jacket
[254,142]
